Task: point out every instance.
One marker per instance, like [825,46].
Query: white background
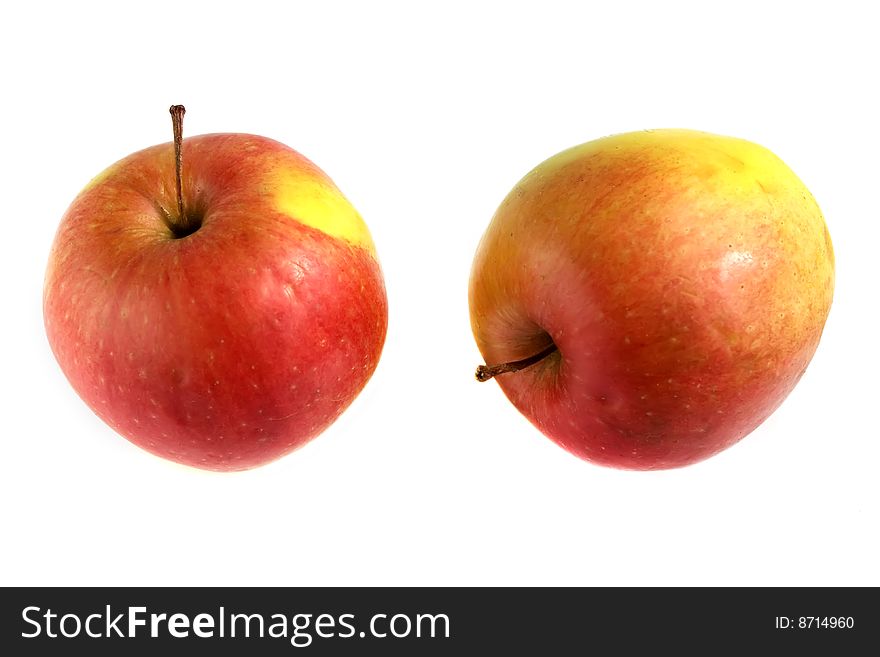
[425,118]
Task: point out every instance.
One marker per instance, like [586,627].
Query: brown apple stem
[486,372]
[177,112]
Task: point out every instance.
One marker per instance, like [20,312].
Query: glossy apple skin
[685,279]
[234,345]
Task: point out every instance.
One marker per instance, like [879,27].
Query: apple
[647,299]
[217,301]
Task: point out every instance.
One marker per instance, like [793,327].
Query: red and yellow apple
[225,337]
[648,299]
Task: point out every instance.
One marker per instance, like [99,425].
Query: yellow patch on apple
[319,205]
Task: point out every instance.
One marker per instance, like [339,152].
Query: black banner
[437,621]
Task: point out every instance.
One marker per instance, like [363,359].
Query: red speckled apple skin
[230,347]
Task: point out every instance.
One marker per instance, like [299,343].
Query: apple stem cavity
[486,372]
